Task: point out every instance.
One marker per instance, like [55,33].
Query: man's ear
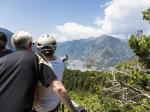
[30,46]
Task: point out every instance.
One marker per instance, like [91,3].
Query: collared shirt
[19,74]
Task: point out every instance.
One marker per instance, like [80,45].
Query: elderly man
[19,74]
[3,42]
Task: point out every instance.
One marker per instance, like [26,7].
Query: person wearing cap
[46,99]
[19,73]
[3,42]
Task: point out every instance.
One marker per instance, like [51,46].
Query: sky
[74,19]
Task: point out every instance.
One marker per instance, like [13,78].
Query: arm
[60,90]
[47,77]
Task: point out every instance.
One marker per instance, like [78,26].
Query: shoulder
[58,60]
[41,59]
[9,50]
[5,52]
[41,56]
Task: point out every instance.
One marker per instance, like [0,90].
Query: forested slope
[121,89]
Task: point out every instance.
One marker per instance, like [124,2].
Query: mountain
[9,35]
[104,51]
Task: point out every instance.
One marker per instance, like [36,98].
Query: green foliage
[141,79]
[88,100]
[146,14]
[137,77]
[141,47]
[90,89]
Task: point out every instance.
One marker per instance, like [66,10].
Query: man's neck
[51,58]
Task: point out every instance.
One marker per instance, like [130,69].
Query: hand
[65,58]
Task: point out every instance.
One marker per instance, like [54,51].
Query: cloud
[106,4]
[77,31]
[121,17]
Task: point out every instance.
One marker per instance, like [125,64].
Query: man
[3,42]
[46,99]
[19,74]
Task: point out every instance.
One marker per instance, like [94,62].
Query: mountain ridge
[102,51]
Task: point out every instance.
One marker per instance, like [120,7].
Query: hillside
[124,88]
[104,51]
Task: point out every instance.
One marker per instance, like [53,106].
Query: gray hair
[21,39]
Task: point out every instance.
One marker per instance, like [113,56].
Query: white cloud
[121,17]
[106,4]
[76,31]
[124,16]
